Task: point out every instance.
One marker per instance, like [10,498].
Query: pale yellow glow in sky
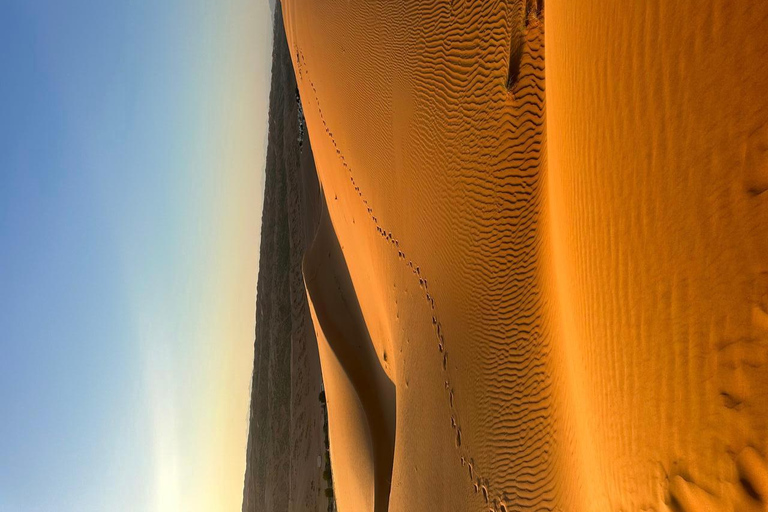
[209,478]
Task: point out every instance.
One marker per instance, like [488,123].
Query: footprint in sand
[741,367]
[756,162]
[760,307]
[741,376]
[753,480]
[686,496]
[749,494]
[741,363]
[737,362]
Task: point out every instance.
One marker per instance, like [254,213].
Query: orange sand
[571,302]
[361,396]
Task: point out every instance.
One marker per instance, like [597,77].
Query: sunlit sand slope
[657,137]
[570,300]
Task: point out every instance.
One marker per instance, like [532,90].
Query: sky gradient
[131,179]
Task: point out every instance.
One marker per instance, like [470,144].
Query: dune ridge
[500,483]
[527,365]
[352,375]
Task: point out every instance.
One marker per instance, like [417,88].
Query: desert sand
[541,281]
[285,436]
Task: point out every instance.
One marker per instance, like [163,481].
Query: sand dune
[558,244]
[360,395]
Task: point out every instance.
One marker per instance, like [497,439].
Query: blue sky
[132,142]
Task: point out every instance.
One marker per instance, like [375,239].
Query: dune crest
[360,395]
[478,462]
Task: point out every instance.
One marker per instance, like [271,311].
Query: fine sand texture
[547,236]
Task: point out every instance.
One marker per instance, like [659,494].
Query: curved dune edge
[530,478]
[533,486]
[360,396]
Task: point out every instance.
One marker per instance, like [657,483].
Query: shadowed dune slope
[360,395]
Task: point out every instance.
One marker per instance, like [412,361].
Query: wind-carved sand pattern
[741,365]
[595,345]
[517,373]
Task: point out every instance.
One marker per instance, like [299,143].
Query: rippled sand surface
[544,261]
